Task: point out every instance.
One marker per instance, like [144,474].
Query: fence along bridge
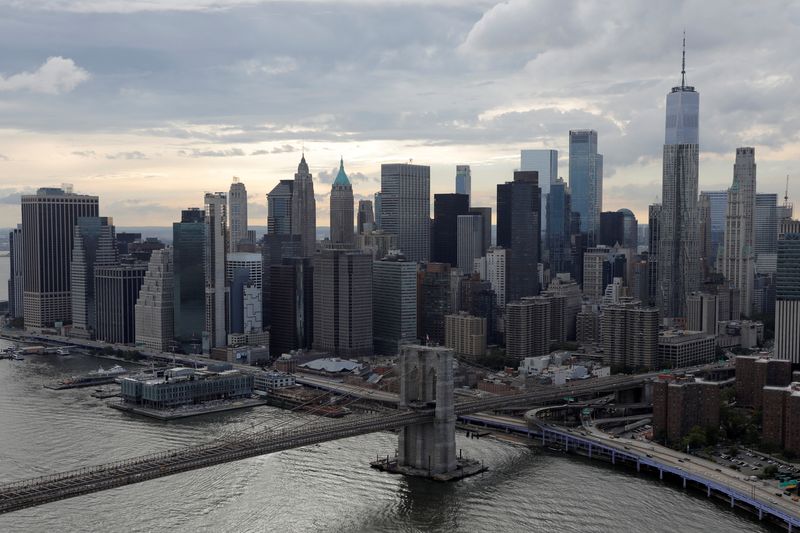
[40,490]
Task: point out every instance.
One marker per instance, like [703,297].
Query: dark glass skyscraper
[559,207]
[586,181]
[612,228]
[279,208]
[446,209]
[520,207]
[188,239]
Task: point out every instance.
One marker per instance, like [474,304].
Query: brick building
[680,405]
[781,418]
[753,373]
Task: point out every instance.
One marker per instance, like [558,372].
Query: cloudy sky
[149,103]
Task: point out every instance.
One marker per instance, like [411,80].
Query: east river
[328,487]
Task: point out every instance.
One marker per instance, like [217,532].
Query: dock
[188,411]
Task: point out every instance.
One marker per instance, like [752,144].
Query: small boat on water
[115,370]
[62,351]
[17,356]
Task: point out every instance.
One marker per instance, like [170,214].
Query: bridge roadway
[36,491]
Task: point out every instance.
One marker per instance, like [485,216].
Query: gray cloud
[12,196]
[127,155]
[84,153]
[3,157]
[54,76]
[231,152]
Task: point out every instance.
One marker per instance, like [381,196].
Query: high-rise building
[394,304]
[188,241]
[433,301]
[237,214]
[469,241]
[154,313]
[486,216]
[116,289]
[244,277]
[464,180]
[279,208]
[497,264]
[565,287]
[787,293]
[679,406]
[594,272]
[378,211]
[653,238]
[768,216]
[738,260]
[612,228]
[16,276]
[559,207]
[291,305]
[465,335]
[94,246]
[718,208]
[341,210]
[304,208]
[630,229]
[681,348]
[518,204]
[701,312]
[446,210]
[366,217]
[586,181]
[48,222]
[528,327]
[343,303]
[216,290]
[545,162]
[679,262]
[630,335]
[705,242]
[405,207]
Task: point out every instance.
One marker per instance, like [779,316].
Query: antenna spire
[786,194]
[683,62]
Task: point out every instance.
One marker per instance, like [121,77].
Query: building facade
[304,209]
[465,335]
[679,260]
[405,207]
[787,293]
[237,215]
[116,289]
[16,276]
[343,303]
[48,221]
[366,217]
[630,335]
[446,210]
[216,290]
[528,328]
[154,312]
[469,231]
[394,304]
[94,246]
[586,181]
[518,205]
[279,208]
[341,211]
[545,162]
[463,180]
[188,242]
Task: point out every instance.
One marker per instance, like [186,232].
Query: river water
[329,487]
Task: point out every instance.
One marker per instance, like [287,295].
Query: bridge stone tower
[427,381]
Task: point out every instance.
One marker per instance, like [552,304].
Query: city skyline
[118,117]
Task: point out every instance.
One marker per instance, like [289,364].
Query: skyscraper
[237,214]
[718,208]
[291,305]
[116,289]
[366,217]
[739,258]
[446,210]
[405,207]
[279,208]
[394,304]
[154,310]
[518,204]
[244,277]
[559,207]
[528,327]
[678,262]
[216,290]
[341,210]
[612,228]
[94,246]
[304,209]
[469,241]
[653,238]
[767,219]
[48,222]
[586,181]
[378,211]
[188,241]
[630,335]
[434,301]
[16,276]
[497,263]
[486,216]
[630,229]
[343,303]
[787,293]
[545,162]
[464,181]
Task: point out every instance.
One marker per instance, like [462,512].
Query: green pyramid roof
[341,177]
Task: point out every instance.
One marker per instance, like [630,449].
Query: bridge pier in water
[428,449]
